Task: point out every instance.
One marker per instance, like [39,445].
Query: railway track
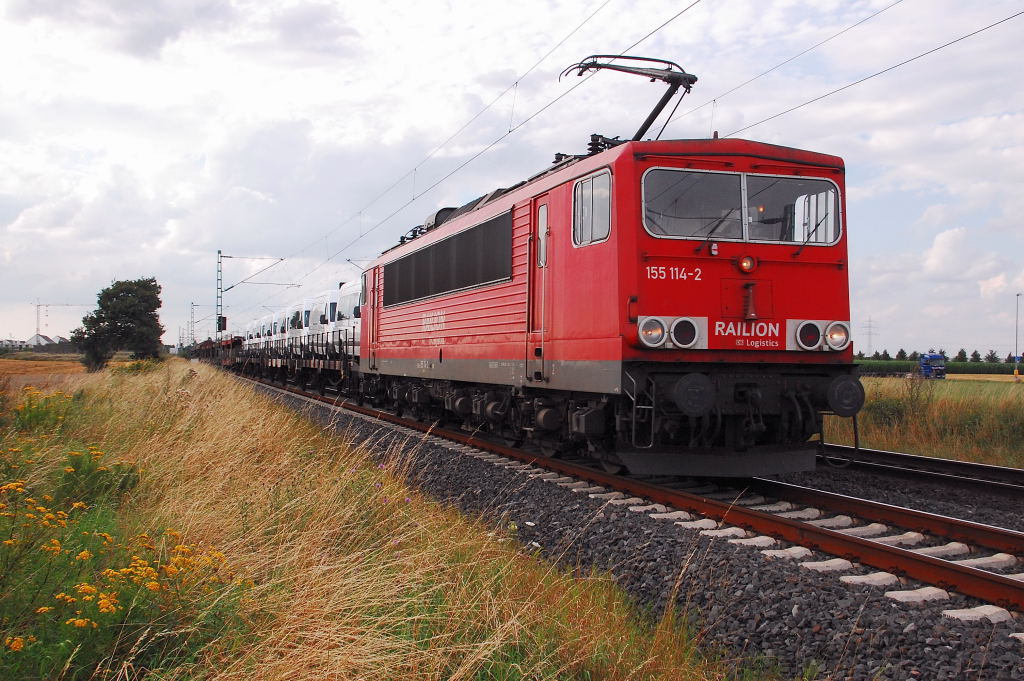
[853,530]
[983,477]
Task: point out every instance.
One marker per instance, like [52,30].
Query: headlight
[747,263]
[808,336]
[652,332]
[684,333]
[837,335]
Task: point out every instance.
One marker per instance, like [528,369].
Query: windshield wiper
[721,221]
[811,235]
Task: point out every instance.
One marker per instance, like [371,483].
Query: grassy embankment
[971,420]
[173,520]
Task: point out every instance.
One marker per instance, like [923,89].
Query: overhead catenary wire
[490,146]
[877,73]
[813,47]
[412,171]
[479,153]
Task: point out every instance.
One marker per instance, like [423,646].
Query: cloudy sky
[138,138]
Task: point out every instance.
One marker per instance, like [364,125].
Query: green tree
[125,319]
[886,355]
[991,357]
[961,356]
[901,355]
[914,356]
[975,356]
[1009,358]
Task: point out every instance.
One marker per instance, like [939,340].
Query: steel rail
[997,538]
[971,581]
[990,478]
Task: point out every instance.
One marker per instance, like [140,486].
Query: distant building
[11,344]
[60,339]
[38,340]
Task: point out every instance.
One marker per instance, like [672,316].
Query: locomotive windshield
[699,205]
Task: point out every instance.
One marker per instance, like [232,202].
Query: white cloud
[138,138]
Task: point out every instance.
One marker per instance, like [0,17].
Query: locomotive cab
[738,335]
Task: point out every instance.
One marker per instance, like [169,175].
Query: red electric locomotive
[667,306]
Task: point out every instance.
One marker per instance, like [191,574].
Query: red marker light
[748,263]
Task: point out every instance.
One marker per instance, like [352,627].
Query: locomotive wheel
[553,450]
[613,467]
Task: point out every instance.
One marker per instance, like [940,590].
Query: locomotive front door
[539,313]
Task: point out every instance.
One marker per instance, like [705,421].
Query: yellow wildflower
[79,622]
[10,542]
[153,586]
[107,602]
[74,453]
[64,597]
[86,588]
[15,644]
[43,610]
[69,469]
[79,504]
[53,547]
[84,555]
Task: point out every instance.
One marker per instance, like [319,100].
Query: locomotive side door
[371,285]
[539,312]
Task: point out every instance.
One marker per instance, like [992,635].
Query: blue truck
[932,365]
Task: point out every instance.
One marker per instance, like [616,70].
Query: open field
[1001,378]
[41,356]
[12,367]
[215,534]
[971,419]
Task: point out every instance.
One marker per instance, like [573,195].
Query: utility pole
[869,331]
[1016,335]
[220,321]
[220,295]
[40,306]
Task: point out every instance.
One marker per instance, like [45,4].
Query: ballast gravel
[754,611]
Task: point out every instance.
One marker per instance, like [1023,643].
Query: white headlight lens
[652,332]
[837,335]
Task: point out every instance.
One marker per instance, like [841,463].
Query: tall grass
[337,570]
[966,420]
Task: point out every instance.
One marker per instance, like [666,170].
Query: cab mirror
[355,312]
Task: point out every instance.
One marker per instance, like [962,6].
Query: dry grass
[14,367]
[971,420]
[356,576]
[997,378]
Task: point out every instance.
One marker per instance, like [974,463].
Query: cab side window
[591,209]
